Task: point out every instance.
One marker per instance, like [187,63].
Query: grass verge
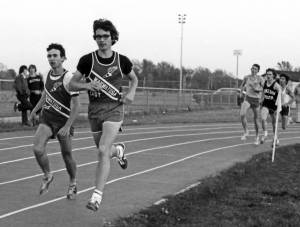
[255,193]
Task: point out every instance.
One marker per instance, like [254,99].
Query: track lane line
[131,175]
[122,134]
[131,129]
[130,141]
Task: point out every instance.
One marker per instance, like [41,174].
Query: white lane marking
[135,152]
[128,141]
[188,125]
[170,127]
[126,134]
[134,129]
[177,193]
[123,134]
[129,176]
[16,137]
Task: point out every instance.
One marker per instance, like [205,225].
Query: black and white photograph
[149,113]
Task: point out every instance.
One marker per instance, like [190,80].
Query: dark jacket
[21,86]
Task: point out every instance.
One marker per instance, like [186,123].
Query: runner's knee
[66,153]
[103,151]
[38,149]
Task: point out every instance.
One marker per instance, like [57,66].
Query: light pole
[181,21]
[237,53]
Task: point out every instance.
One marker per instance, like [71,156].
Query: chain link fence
[146,100]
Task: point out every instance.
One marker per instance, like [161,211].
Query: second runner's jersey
[58,98]
[270,95]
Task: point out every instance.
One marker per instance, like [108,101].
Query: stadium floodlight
[181,21]
[237,53]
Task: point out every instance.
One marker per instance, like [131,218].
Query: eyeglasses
[52,55]
[105,36]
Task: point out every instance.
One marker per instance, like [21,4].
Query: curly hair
[59,47]
[257,66]
[287,78]
[272,71]
[106,25]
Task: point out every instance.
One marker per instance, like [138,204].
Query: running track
[163,159]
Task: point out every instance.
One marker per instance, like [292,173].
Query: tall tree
[285,66]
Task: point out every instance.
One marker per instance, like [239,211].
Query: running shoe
[244,136]
[45,183]
[72,191]
[262,140]
[256,141]
[94,203]
[121,155]
[264,137]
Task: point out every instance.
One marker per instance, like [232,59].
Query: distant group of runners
[100,73]
[263,94]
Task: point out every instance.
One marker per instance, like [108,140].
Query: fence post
[147,100]
[164,100]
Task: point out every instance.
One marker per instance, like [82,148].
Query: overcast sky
[267,31]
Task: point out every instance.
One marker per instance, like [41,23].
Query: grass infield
[255,193]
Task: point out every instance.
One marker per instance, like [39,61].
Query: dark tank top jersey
[110,72]
[57,97]
[270,96]
[35,83]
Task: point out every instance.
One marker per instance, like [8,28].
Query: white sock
[119,149]
[97,194]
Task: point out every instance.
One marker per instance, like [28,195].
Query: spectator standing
[36,86]
[23,92]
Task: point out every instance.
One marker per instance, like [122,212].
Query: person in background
[23,92]
[271,90]
[36,87]
[253,85]
[287,98]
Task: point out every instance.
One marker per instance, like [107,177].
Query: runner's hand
[94,86]
[33,117]
[126,98]
[64,131]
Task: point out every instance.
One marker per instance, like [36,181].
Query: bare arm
[133,82]
[75,106]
